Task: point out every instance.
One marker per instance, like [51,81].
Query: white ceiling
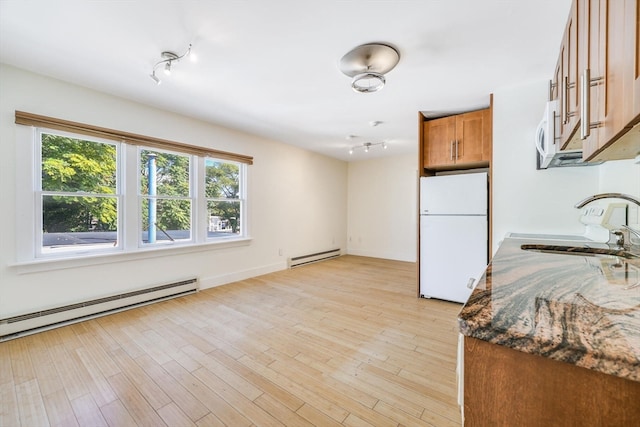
[270,67]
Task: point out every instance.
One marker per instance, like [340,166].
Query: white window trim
[52,264]
[28,255]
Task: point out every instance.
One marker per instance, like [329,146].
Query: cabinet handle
[586,82]
[457,143]
[567,113]
[470,283]
[585,107]
[451,149]
[565,116]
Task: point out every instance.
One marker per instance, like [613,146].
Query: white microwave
[547,147]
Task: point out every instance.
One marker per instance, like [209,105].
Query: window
[225,198]
[95,195]
[165,197]
[78,194]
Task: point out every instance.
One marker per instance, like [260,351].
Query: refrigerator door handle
[470,283]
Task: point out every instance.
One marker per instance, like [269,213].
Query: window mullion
[131,221]
[201,220]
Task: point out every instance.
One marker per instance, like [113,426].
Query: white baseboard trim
[373,254]
[223,279]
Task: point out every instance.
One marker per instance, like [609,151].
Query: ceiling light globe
[167,68]
[368,82]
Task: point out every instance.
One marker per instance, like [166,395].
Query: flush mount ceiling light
[367,64]
[168,58]
[367,146]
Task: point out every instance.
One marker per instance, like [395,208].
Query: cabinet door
[473,135]
[617,60]
[590,45]
[632,54]
[612,58]
[439,141]
[570,80]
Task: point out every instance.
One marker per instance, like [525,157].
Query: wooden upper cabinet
[569,81]
[439,140]
[473,134]
[459,141]
[614,93]
[590,44]
[632,41]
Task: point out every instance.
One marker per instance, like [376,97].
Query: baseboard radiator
[309,258]
[26,324]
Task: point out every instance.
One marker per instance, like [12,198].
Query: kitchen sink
[579,250]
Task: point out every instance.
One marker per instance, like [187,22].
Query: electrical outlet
[280,252]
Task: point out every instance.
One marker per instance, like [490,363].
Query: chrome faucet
[622,238]
[590,199]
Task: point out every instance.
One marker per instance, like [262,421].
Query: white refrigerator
[454,245]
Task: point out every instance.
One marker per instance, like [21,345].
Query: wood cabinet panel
[611,54]
[633,58]
[506,387]
[439,139]
[590,44]
[614,58]
[473,132]
[569,84]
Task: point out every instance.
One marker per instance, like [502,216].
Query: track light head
[155,78]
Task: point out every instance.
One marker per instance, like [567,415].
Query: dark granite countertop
[581,309]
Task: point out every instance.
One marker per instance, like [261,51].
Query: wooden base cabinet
[457,142]
[506,387]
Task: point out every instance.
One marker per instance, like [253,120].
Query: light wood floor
[339,343]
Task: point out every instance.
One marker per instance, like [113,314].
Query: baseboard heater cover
[308,259]
[26,324]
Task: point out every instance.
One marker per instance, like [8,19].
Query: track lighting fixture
[367,146]
[168,58]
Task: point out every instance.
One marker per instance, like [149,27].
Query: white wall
[297,200]
[541,201]
[382,208]
[620,177]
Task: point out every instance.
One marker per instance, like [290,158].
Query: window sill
[50,264]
